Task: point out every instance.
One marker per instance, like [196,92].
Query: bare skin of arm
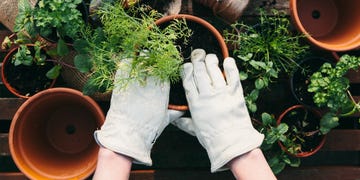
[251,165]
[112,166]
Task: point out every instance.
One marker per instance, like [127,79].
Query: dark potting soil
[305,121]
[201,38]
[28,80]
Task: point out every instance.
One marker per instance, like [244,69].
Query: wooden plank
[323,173]
[12,176]
[4,145]
[342,140]
[9,106]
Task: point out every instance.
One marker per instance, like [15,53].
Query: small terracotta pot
[330,24]
[8,67]
[51,135]
[216,34]
[311,110]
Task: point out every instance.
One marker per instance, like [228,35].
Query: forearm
[251,165]
[112,166]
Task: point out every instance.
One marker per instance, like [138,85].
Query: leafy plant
[331,90]
[34,55]
[276,157]
[50,16]
[264,51]
[129,34]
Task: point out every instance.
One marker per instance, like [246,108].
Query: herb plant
[264,51]
[331,90]
[50,16]
[276,157]
[129,34]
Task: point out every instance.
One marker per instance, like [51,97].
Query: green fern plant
[264,50]
[129,34]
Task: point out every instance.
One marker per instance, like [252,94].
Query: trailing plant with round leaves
[331,90]
[129,34]
[264,51]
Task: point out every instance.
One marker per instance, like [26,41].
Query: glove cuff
[139,155]
[230,145]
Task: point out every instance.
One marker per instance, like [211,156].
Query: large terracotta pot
[330,24]
[216,37]
[51,135]
[317,139]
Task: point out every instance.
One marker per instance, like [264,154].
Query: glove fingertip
[187,77]
[198,55]
[231,71]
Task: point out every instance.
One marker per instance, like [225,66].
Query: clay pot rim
[207,25]
[18,155]
[303,154]
[354,44]
[6,60]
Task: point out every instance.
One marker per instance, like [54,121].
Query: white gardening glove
[220,117]
[136,117]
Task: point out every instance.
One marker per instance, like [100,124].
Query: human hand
[219,114]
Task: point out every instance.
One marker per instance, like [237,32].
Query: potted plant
[156,47]
[27,70]
[123,36]
[264,51]
[56,21]
[304,137]
[275,132]
[300,79]
[328,24]
[331,91]
[55,24]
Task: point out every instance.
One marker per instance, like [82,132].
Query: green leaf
[243,75]
[267,119]
[80,46]
[277,168]
[259,83]
[282,128]
[62,48]
[328,122]
[83,63]
[54,72]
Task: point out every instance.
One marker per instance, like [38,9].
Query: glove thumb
[183,123]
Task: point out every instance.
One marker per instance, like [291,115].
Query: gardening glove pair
[220,118]
[137,116]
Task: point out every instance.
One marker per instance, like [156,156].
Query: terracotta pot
[330,24]
[314,113]
[218,39]
[299,79]
[51,135]
[34,71]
